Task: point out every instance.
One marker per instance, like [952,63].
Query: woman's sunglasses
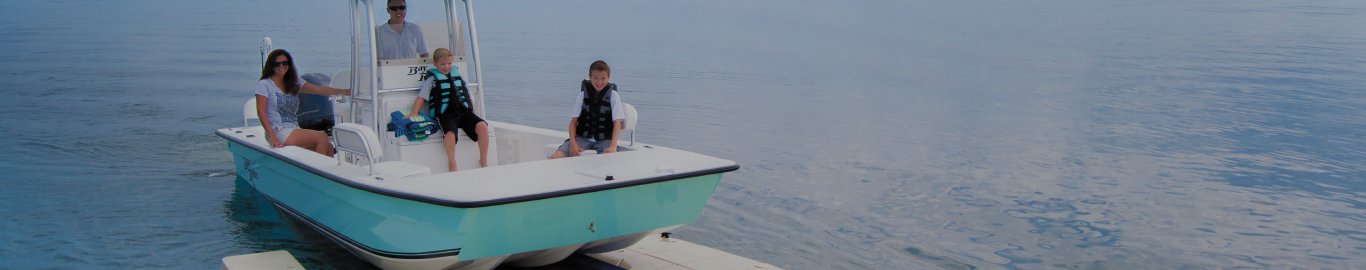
[397,8]
[282,64]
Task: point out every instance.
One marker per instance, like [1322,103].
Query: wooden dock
[659,253]
[652,253]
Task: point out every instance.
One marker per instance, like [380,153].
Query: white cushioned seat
[249,112]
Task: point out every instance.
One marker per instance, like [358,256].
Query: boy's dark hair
[600,66]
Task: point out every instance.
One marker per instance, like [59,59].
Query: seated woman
[277,102]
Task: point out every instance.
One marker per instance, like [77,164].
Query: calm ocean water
[871,135]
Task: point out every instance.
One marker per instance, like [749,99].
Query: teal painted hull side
[401,228]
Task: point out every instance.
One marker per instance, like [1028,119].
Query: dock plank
[674,254]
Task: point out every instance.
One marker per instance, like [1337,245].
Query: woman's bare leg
[325,145]
[310,139]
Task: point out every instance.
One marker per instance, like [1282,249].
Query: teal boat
[391,202]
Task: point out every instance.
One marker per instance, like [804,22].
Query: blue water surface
[870,134]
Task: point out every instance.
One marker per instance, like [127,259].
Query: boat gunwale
[474,204]
[368,249]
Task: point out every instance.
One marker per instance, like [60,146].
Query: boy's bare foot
[483,163]
[452,166]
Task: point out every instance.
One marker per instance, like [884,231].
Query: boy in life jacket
[451,106]
[596,119]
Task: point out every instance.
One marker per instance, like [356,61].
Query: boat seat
[361,141]
[249,112]
[629,124]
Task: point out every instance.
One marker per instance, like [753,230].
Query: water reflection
[259,227]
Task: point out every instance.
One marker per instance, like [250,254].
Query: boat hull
[402,233]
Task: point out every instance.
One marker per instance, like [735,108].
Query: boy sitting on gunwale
[597,115]
[451,106]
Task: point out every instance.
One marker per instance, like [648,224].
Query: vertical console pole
[474,45]
[355,57]
[374,68]
[451,37]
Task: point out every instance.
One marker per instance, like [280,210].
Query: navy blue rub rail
[337,236]
[484,203]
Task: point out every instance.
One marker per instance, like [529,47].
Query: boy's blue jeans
[584,144]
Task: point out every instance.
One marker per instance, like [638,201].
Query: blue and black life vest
[595,118]
[448,95]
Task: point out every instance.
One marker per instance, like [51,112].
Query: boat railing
[381,86]
[354,141]
[363,64]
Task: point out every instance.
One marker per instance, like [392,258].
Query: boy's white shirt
[426,89]
[617,112]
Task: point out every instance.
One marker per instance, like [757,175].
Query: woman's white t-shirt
[281,108]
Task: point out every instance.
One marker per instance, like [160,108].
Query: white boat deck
[536,175]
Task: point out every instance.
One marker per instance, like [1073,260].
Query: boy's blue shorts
[584,144]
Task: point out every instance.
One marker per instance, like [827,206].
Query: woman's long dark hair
[291,80]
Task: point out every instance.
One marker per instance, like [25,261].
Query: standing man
[399,39]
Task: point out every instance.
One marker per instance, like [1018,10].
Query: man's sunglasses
[282,64]
[397,8]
